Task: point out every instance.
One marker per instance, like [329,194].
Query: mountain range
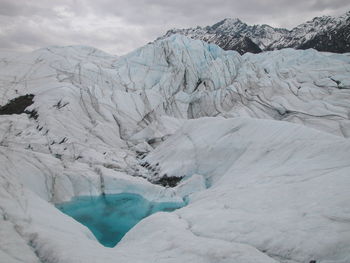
[325,33]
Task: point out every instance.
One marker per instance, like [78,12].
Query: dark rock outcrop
[18,106]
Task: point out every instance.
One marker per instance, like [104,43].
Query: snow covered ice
[260,140]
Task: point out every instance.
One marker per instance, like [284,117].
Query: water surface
[110,217]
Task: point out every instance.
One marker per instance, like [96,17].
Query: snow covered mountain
[324,33]
[259,141]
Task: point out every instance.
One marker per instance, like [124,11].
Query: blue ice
[110,217]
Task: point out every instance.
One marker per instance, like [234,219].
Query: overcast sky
[118,26]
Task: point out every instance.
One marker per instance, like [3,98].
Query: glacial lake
[110,217]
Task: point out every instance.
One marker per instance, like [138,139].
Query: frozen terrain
[261,141]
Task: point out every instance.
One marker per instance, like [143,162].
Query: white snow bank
[280,187]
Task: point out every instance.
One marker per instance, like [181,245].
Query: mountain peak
[233,21]
[226,21]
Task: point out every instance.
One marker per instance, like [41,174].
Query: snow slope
[261,140]
[279,187]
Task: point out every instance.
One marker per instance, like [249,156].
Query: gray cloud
[119,26]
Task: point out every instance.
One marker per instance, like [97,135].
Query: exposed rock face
[322,33]
[241,45]
[335,40]
[17,105]
[260,140]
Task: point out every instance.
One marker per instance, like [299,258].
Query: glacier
[260,141]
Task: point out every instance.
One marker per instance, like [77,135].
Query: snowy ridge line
[324,33]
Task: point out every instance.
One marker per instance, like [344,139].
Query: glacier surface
[261,142]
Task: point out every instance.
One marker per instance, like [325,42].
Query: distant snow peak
[323,33]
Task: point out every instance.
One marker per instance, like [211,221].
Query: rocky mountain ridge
[325,33]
